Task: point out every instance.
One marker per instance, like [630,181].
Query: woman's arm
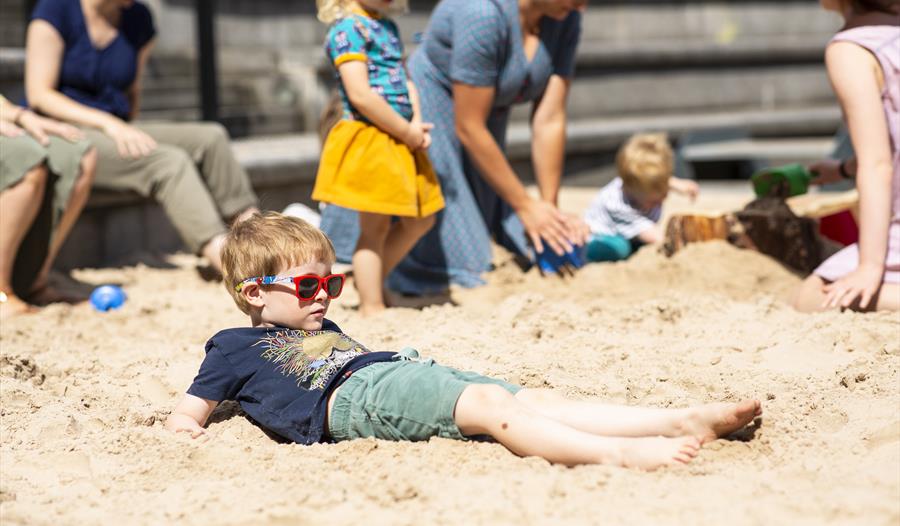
[548,137]
[541,219]
[136,89]
[44,50]
[854,75]
[355,78]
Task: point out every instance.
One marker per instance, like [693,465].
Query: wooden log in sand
[785,230]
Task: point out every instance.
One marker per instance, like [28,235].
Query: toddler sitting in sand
[624,213]
[296,374]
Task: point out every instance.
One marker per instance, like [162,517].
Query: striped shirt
[612,213]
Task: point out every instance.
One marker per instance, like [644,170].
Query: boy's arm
[684,187]
[190,415]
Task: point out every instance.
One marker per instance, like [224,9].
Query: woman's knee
[35,180]
[168,162]
[213,132]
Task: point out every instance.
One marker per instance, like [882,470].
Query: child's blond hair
[331,10]
[645,163]
[266,244]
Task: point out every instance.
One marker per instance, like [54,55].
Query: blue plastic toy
[107,297]
[551,262]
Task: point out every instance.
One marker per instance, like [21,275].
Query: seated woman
[46,169]
[84,64]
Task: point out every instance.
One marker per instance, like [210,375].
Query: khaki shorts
[406,399]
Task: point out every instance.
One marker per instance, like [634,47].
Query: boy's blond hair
[331,10]
[645,163]
[266,244]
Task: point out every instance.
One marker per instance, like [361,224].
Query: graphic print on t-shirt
[312,356]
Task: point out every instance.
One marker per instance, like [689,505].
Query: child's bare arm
[190,414]
[684,187]
[652,235]
[355,79]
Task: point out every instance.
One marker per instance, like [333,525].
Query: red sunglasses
[307,286]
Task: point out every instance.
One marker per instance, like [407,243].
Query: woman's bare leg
[19,205]
[80,193]
[707,422]
[368,262]
[490,409]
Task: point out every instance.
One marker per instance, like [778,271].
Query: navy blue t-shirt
[281,377]
[98,78]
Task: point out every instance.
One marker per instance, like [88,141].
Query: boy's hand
[827,171]
[686,187]
[190,415]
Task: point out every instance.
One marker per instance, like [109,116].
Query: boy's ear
[251,293]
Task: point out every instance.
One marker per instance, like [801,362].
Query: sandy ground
[84,396]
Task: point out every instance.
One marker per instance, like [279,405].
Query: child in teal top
[376,42]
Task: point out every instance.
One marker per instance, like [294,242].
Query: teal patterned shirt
[377,43]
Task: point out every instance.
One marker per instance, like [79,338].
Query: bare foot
[650,453]
[11,305]
[712,421]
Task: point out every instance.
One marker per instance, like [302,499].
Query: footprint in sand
[886,435]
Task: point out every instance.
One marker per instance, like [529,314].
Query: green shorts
[406,399]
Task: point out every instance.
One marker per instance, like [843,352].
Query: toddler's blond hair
[331,10]
[645,163]
[266,244]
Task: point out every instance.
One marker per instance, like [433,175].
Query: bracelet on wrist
[843,170]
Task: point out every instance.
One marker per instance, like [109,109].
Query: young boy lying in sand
[625,213]
[299,376]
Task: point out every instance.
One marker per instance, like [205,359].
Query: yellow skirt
[365,169]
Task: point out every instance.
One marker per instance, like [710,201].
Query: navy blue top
[281,377]
[98,78]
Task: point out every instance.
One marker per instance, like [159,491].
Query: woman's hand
[826,171]
[578,231]
[544,222]
[131,142]
[862,283]
[41,128]
[8,129]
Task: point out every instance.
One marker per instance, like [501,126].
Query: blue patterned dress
[476,42]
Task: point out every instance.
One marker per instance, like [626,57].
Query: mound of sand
[84,396]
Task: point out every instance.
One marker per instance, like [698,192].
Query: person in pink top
[863,62]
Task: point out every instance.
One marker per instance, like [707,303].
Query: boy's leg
[603,247]
[368,261]
[706,422]
[492,410]
[402,236]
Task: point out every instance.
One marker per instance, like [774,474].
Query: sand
[84,395]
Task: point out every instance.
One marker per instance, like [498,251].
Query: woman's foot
[650,453]
[46,294]
[712,421]
[11,305]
